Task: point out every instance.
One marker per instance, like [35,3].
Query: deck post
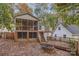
[27,36]
[77,50]
[15,36]
[39,37]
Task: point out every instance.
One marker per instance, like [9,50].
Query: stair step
[41,37]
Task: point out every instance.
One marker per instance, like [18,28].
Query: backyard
[11,48]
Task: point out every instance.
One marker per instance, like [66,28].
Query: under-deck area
[26,36]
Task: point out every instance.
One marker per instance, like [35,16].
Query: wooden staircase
[41,37]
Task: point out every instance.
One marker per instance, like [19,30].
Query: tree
[6,18]
[51,19]
[64,9]
[24,8]
[40,10]
[43,11]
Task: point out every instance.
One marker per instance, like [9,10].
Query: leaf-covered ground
[10,48]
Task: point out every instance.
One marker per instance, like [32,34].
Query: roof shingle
[74,29]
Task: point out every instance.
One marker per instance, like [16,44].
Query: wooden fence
[60,39]
[7,35]
[71,41]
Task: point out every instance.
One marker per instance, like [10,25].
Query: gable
[63,28]
[27,17]
[62,31]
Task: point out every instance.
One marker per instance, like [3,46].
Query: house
[69,31]
[27,28]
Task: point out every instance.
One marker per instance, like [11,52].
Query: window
[55,35]
[59,28]
[64,36]
[39,27]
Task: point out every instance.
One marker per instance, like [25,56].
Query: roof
[74,29]
[26,16]
[4,30]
